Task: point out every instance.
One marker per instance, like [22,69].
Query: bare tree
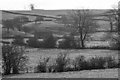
[64,20]
[9,24]
[112,17]
[83,22]
[32,6]
[111,22]
[114,37]
[14,59]
[20,21]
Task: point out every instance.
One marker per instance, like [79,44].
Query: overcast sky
[57,4]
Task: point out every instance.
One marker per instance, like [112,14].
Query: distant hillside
[48,12]
[51,26]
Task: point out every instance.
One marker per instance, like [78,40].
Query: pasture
[35,54]
[108,73]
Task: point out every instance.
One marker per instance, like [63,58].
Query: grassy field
[35,54]
[57,28]
[108,73]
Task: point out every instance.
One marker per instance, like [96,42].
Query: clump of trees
[113,18]
[81,21]
[18,40]
[8,24]
[67,43]
[16,22]
[42,66]
[20,21]
[50,42]
[62,61]
[39,19]
[14,59]
[32,6]
[26,29]
[33,42]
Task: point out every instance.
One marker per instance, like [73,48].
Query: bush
[115,43]
[99,47]
[68,43]
[80,63]
[26,29]
[19,40]
[51,66]
[111,62]
[94,63]
[50,42]
[61,62]
[33,42]
[42,66]
[97,63]
[13,59]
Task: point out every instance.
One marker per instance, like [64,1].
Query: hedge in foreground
[13,58]
[64,63]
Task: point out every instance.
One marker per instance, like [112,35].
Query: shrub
[6,53]
[68,43]
[99,47]
[96,63]
[42,66]
[33,42]
[19,40]
[51,66]
[50,42]
[26,29]
[118,63]
[111,62]
[13,59]
[80,63]
[115,43]
[61,62]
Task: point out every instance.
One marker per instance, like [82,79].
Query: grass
[108,73]
[56,28]
[35,54]
[63,63]
[102,73]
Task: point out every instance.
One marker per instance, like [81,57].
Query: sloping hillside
[50,26]
[48,12]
